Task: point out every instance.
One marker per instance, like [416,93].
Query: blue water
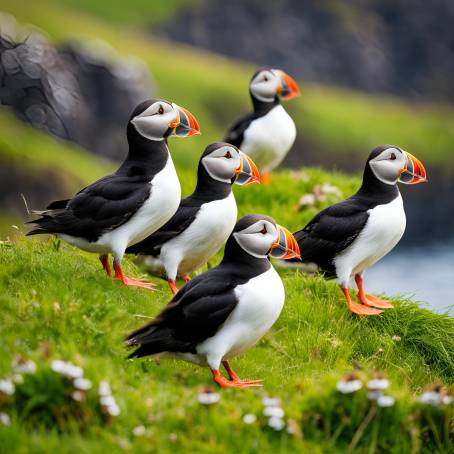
[426,273]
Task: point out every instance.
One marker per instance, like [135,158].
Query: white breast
[162,204]
[268,139]
[201,240]
[383,230]
[260,302]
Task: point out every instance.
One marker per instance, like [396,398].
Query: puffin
[346,238]
[203,221]
[268,133]
[125,207]
[223,312]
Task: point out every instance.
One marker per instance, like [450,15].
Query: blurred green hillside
[331,122]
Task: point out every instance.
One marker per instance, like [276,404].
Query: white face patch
[388,165]
[154,121]
[265,85]
[258,238]
[221,164]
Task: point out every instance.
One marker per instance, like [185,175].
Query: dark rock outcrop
[404,47]
[82,92]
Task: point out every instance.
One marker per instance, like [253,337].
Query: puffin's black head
[390,164]
[268,85]
[226,163]
[260,236]
[156,119]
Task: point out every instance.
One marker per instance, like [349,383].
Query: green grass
[314,342]
[331,122]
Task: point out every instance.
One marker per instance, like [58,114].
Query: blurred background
[370,72]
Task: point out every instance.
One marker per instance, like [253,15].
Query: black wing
[330,232]
[96,209]
[235,134]
[181,220]
[195,313]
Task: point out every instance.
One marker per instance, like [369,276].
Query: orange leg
[370,300]
[104,259]
[265,178]
[129,280]
[173,287]
[224,383]
[186,278]
[356,308]
[234,377]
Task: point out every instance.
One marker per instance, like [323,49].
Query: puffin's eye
[265,79]
[393,157]
[264,231]
[228,155]
[161,110]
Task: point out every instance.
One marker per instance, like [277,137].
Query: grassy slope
[335,121]
[314,336]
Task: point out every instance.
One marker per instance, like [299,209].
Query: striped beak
[288,88]
[285,247]
[247,172]
[185,124]
[413,172]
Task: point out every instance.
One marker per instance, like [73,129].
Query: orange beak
[247,172]
[285,247]
[413,172]
[185,124]
[288,88]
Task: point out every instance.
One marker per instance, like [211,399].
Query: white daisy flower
[208,397]
[386,401]
[447,399]
[276,423]
[271,401]
[378,384]
[82,383]
[78,396]
[139,431]
[349,384]
[430,398]
[5,419]
[113,410]
[25,367]
[249,418]
[104,388]
[7,387]
[108,401]
[273,412]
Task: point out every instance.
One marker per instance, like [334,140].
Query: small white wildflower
[386,401]
[374,395]
[78,396]
[73,371]
[378,384]
[108,401]
[348,386]
[82,383]
[273,412]
[430,398]
[25,367]
[5,419]
[7,387]
[139,431]
[276,423]
[249,418]
[104,388]
[306,200]
[396,338]
[271,401]
[58,366]
[447,399]
[113,410]
[208,398]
